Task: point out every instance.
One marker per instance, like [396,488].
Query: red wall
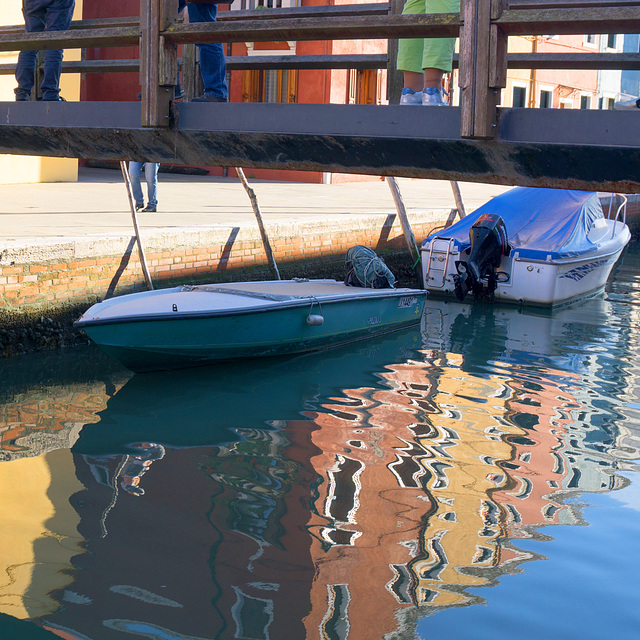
[111,86]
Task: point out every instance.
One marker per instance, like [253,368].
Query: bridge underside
[577,149]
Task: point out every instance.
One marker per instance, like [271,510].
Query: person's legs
[212,63]
[410,49]
[59,14]
[151,174]
[437,54]
[135,169]
[34,22]
[410,58]
[425,61]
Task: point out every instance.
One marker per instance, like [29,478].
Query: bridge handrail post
[483,66]
[158,61]
[395,80]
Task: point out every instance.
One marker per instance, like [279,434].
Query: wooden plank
[311,28]
[99,23]
[572,4]
[374,8]
[190,72]
[361,61]
[158,61]
[576,149]
[395,78]
[136,228]
[440,25]
[612,61]
[477,117]
[512,22]
[234,63]
[73,39]
[168,51]
[567,21]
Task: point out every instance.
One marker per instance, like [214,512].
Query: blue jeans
[151,174]
[42,15]
[213,67]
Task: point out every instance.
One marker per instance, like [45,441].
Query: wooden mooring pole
[457,196]
[409,238]
[132,205]
[263,232]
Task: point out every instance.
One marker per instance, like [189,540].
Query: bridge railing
[483,27]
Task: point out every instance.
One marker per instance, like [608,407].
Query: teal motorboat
[199,324]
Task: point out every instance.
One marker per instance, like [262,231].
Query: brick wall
[79,270]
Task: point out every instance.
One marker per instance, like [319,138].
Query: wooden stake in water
[263,233]
[457,196]
[143,260]
[409,238]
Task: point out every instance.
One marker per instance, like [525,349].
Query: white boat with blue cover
[528,245]
[199,324]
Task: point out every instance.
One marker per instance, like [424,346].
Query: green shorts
[416,54]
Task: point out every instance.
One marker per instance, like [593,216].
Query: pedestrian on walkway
[39,16]
[425,61]
[213,67]
[151,175]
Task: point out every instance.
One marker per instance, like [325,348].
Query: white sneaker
[432,97]
[628,104]
[411,97]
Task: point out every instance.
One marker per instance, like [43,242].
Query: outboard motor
[488,237]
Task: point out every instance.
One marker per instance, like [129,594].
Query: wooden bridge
[477,142]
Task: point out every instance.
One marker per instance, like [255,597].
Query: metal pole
[263,233]
[406,227]
[143,260]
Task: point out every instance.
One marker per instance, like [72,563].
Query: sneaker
[57,99]
[150,208]
[207,97]
[433,97]
[409,96]
[139,206]
[628,104]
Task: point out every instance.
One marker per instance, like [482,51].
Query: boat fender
[315,320]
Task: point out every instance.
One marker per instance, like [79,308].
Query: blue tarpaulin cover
[539,222]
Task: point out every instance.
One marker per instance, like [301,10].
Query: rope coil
[366,269]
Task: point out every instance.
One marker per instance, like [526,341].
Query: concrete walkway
[97,204]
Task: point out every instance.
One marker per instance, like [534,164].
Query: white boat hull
[537,282]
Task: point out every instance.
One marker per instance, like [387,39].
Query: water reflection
[321,496]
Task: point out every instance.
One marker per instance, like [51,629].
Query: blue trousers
[213,67]
[42,15]
[151,175]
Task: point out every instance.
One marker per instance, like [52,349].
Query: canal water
[473,477]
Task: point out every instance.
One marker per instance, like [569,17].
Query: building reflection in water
[325,496]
